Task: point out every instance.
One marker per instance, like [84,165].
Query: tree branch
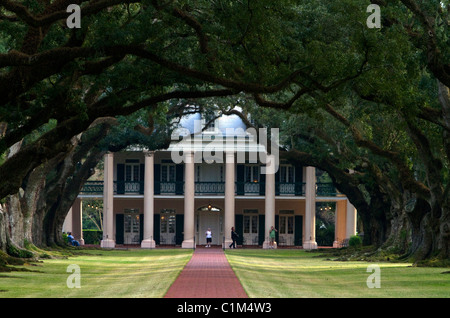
[407,179]
[58,140]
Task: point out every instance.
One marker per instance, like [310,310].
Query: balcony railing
[120,187]
[128,187]
[92,187]
[209,188]
[326,189]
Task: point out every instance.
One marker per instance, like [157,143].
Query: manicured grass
[103,273]
[263,273]
[298,273]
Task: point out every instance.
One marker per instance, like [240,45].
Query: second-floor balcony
[208,188]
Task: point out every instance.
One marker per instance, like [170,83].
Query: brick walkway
[207,275]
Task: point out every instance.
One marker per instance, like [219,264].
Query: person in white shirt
[208,238]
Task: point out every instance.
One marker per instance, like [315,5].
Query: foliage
[324,234]
[65,238]
[92,236]
[14,251]
[6,261]
[92,215]
[355,241]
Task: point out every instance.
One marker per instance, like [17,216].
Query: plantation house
[151,199]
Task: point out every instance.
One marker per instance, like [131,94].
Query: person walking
[208,234]
[234,237]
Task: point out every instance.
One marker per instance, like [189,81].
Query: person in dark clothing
[234,237]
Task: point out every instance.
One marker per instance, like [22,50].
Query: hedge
[92,236]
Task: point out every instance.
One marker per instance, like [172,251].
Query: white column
[81,241]
[351,220]
[269,200]
[108,197]
[148,241]
[310,209]
[229,197]
[189,192]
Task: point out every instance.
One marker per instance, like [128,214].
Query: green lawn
[263,273]
[103,273]
[297,273]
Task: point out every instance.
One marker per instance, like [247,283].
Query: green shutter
[179,229]
[277,182]
[120,178]
[240,181]
[298,180]
[157,178]
[262,184]
[141,227]
[239,227]
[298,230]
[157,228]
[141,178]
[262,229]
[179,173]
[119,228]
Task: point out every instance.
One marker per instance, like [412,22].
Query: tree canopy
[369,106]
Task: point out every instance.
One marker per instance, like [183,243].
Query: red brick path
[207,275]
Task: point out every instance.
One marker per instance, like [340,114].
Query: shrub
[355,241]
[325,235]
[92,236]
[65,238]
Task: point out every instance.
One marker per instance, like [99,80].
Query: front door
[131,228]
[250,227]
[167,227]
[286,230]
[209,219]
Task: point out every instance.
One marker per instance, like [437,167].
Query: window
[131,225]
[167,172]
[250,221]
[286,222]
[132,170]
[168,221]
[286,174]
[251,173]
